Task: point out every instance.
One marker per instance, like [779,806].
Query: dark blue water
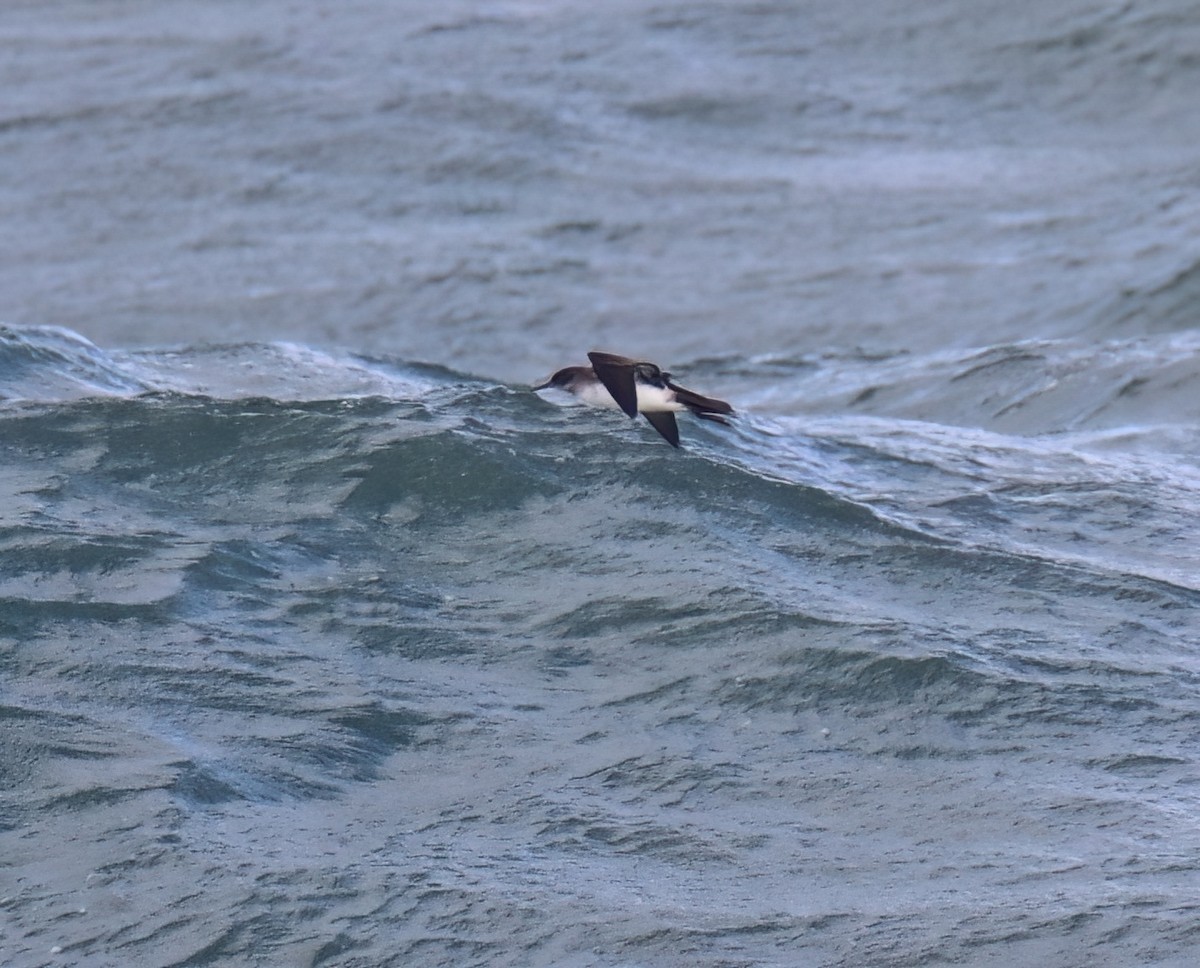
[325,641]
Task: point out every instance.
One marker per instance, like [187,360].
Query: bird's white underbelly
[649,398]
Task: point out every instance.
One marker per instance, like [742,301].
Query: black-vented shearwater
[636,386]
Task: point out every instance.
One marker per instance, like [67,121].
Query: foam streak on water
[337,659]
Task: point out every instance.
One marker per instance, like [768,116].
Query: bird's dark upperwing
[664,422]
[616,373]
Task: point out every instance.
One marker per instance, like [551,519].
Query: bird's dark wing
[664,422]
[616,373]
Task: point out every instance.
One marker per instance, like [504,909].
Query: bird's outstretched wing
[664,422]
[616,373]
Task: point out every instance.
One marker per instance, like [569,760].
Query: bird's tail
[708,408]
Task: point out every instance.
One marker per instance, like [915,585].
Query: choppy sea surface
[325,641]
[335,659]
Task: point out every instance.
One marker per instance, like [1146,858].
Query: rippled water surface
[326,641]
[437,669]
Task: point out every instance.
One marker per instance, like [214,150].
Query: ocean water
[334,659]
[325,641]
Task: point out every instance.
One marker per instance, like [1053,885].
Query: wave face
[447,673]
